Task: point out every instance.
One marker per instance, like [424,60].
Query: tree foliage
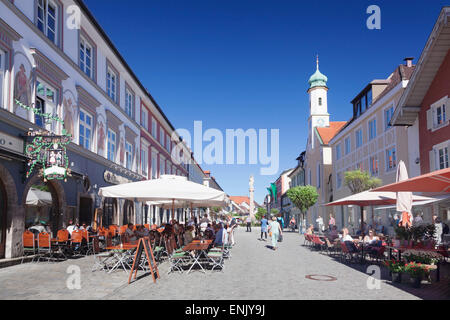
[358,181]
[274,211]
[303,197]
[260,213]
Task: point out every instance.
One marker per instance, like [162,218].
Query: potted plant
[417,272]
[396,268]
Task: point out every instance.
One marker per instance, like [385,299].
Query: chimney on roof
[409,61]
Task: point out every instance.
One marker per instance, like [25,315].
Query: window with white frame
[111,145]
[440,118]
[373,165]
[144,118]
[111,84]
[129,103]
[47,19]
[161,136]
[46,103]
[388,113]
[154,127]
[348,146]
[154,165]
[391,161]
[144,161]
[338,152]
[128,155]
[2,76]
[441,155]
[162,166]
[359,139]
[86,57]
[168,143]
[85,129]
[372,129]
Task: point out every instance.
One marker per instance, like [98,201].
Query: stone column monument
[252,198]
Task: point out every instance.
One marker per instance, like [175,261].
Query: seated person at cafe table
[333,234]
[310,230]
[38,228]
[209,232]
[348,240]
[189,234]
[141,231]
[371,238]
[71,227]
[129,233]
[219,235]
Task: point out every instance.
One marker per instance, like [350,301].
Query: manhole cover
[320,277]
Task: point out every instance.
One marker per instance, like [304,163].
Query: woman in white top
[371,238]
[345,235]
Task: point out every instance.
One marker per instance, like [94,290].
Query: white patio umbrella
[169,190]
[36,197]
[404,199]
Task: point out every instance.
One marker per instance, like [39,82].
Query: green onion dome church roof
[317,79]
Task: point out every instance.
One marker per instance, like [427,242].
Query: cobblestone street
[252,269]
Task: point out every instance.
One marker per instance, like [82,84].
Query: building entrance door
[85,213]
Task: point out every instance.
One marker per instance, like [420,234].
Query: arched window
[320,101]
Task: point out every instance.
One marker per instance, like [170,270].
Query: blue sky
[245,63]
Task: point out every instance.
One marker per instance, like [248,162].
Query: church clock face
[320,122]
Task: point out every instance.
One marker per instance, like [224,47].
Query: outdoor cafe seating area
[384,252]
[112,248]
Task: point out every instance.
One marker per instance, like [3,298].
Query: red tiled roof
[240,199]
[327,133]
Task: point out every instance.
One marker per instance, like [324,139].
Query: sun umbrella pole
[362,218]
[173,209]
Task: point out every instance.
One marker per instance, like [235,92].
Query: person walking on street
[275,230]
[331,223]
[319,221]
[249,223]
[233,226]
[264,224]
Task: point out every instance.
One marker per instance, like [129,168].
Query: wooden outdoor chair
[347,254]
[216,258]
[318,243]
[45,248]
[330,247]
[76,242]
[29,245]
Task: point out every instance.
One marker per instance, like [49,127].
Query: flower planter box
[396,277]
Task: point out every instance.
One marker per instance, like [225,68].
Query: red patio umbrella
[436,182]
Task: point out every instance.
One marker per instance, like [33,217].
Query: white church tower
[318,109]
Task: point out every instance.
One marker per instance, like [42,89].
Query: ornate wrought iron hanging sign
[47,150]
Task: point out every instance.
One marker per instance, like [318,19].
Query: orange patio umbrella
[436,182]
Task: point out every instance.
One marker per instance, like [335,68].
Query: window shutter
[432,160]
[430,119]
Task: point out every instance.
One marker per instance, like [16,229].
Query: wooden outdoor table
[124,253]
[199,248]
[196,246]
